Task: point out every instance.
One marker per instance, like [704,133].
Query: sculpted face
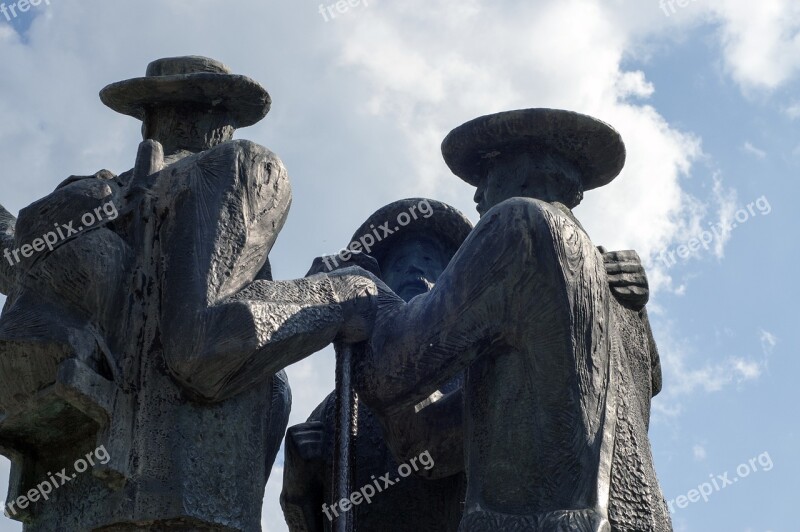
[413,267]
[187,128]
[541,176]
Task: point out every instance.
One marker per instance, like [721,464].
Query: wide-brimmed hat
[446,225]
[592,145]
[190,79]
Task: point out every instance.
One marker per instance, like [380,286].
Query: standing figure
[175,369]
[409,260]
[560,362]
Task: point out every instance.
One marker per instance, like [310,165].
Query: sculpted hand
[627,278]
[306,441]
[356,290]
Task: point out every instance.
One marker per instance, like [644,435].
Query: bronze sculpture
[560,363]
[409,261]
[142,320]
[186,338]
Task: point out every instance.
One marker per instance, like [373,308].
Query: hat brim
[593,146]
[245,99]
[447,225]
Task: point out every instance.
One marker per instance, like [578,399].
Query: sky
[704,94]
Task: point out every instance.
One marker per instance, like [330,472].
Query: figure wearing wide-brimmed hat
[186,81]
[189,103]
[409,259]
[224,327]
[188,397]
[561,365]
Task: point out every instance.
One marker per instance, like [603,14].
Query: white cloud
[699,452]
[746,369]
[425,77]
[768,341]
[793,111]
[634,84]
[726,200]
[688,373]
[759,41]
[710,221]
[758,153]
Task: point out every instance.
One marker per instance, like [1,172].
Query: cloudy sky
[705,96]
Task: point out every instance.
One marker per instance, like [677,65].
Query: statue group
[489,378]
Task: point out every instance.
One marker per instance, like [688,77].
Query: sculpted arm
[262,329]
[223,326]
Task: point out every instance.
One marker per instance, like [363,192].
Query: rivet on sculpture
[143,338]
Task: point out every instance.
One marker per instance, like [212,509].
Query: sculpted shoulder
[80,202]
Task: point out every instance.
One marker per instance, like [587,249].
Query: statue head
[189,103]
[187,128]
[414,264]
[542,175]
[546,154]
[423,235]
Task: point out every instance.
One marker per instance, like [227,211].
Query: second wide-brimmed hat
[190,79]
[593,146]
[446,225]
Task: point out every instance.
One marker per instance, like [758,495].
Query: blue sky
[706,99]
[742,304]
